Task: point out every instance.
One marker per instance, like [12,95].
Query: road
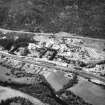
[50,64]
[62,34]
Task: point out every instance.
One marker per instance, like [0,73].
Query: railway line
[50,64]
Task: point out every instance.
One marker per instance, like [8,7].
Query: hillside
[75,16]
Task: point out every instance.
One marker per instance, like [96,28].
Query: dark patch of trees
[74,16]
[72,99]
[15,101]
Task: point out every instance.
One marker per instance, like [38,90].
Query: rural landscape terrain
[52,52]
[31,62]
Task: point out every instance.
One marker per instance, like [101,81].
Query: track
[50,64]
